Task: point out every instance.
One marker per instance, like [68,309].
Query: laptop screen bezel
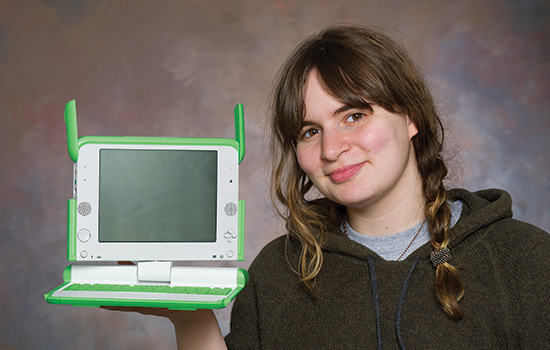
[87,185]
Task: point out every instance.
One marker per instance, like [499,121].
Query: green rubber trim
[242,281]
[239,129]
[172,305]
[240,211]
[242,277]
[143,140]
[71,229]
[67,274]
[72,129]
[74,143]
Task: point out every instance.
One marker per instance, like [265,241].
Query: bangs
[339,85]
[351,77]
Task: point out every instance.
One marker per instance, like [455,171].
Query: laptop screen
[157,195]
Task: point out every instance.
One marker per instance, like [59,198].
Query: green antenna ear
[72,129]
[239,129]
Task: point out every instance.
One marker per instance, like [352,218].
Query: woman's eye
[355,117]
[310,133]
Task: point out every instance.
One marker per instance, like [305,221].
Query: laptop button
[84,235]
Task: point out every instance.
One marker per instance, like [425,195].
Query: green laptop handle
[74,142]
[239,129]
[72,129]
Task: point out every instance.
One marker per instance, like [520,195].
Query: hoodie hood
[480,209]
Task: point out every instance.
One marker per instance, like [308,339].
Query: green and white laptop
[153,201]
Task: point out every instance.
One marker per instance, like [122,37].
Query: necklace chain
[346,223]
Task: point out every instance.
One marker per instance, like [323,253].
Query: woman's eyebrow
[307,123]
[342,109]
[346,108]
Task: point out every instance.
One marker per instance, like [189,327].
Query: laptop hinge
[154,271]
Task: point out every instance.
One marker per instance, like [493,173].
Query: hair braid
[448,284]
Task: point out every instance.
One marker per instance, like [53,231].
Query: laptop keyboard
[143,288]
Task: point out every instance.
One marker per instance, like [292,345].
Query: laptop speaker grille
[84,208]
[230,209]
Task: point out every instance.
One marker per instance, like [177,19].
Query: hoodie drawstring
[374,286]
[400,302]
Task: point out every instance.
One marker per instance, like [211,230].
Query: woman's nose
[334,143]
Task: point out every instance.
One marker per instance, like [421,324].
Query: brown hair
[357,64]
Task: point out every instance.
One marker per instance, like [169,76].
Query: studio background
[178,67]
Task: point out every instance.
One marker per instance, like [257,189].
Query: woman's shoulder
[517,247]
[275,255]
[273,249]
[521,240]
[490,211]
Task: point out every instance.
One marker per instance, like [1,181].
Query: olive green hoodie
[365,302]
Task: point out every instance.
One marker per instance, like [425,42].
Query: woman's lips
[345,173]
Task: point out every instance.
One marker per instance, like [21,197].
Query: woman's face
[355,157]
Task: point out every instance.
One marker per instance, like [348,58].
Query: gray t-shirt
[390,247]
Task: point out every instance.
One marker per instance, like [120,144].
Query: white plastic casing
[88,246]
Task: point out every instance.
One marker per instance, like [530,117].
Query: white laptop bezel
[88,246]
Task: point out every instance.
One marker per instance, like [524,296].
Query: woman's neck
[395,212]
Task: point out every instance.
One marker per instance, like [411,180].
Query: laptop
[153,201]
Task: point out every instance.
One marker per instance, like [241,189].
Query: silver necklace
[346,223]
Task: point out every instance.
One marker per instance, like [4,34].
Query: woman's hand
[194,329]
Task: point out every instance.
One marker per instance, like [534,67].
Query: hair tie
[440,257]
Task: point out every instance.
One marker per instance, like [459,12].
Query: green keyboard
[141,288]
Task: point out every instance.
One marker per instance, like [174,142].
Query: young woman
[387,257]
[379,254]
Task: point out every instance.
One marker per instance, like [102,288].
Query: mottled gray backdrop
[178,67]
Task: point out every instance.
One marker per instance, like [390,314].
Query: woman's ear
[413,130]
